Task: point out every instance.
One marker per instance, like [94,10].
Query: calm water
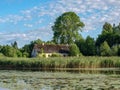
[60,80]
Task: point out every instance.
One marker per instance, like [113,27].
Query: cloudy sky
[27,20]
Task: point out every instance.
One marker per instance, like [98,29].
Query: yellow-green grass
[60,62]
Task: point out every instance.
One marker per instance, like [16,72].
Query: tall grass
[60,62]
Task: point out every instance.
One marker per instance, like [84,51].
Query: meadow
[59,62]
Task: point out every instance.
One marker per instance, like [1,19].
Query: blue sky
[27,20]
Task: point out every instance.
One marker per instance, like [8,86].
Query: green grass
[61,62]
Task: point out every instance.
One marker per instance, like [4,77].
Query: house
[49,49]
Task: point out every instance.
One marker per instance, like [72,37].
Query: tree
[15,45]
[90,46]
[109,34]
[9,51]
[118,51]
[114,50]
[105,49]
[66,28]
[27,49]
[81,45]
[0,48]
[38,41]
[74,50]
[116,29]
[107,28]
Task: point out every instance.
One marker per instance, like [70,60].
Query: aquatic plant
[60,62]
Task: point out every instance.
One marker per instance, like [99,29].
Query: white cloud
[22,38]
[94,13]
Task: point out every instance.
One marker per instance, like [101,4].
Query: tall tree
[66,28]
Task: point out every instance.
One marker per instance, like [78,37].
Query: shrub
[105,49]
[25,54]
[56,55]
[1,55]
[41,55]
[74,50]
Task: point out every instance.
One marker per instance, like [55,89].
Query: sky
[27,20]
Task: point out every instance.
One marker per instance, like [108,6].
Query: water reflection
[81,70]
[117,71]
[76,70]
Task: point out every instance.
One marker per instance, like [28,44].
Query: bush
[25,54]
[114,50]
[41,55]
[105,49]
[1,55]
[56,55]
[74,50]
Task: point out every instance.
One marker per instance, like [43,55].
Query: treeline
[13,50]
[106,44]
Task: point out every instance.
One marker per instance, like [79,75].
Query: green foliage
[90,46]
[18,53]
[10,51]
[14,45]
[119,51]
[107,28]
[56,55]
[60,62]
[0,48]
[105,49]
[87,47]
[1,55]
[42,50]
[112,36]
[114,50]
[41,55]
[66,31]
[81,44]
[38,41]
[25,54]
[27,49]
[66,28]
[50,42]
[116,29]
[74,50]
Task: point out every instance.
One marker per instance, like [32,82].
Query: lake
[101,79]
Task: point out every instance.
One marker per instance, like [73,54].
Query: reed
[60,62]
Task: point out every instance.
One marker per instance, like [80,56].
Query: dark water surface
[84,79]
